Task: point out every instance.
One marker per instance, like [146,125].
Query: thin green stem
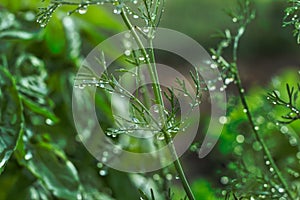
[159,100]
[180,171]
[152,69]
[254,128]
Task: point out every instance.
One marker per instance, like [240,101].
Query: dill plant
[272,181]
[149,13]
[267,181]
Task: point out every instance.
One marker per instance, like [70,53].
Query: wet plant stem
[159,100]
[254,128]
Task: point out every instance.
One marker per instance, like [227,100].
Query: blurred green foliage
[40,156]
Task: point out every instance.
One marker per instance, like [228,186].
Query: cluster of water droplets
[103,170]
[94,82]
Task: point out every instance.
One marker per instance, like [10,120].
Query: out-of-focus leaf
[121,184]
[31,76]
[11,118]
[38,191]
[50,165]
[17,34]
[43,111]
[54,37]
[73,38]
[7,20]
[203,190]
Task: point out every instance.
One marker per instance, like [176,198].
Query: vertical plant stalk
[159,100]
[254,128]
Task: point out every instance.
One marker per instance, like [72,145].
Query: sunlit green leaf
[50,165]
[11,119]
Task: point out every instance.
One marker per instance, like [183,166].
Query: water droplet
[82,10]
[117,11]
[169,177]
[142,58]
[228,80]
[240,138]
[224,180]
[81,86]
[245,110]
[256,128]
[99,165]
[160,136]
[284,129]
[234,20]
[101,85]
[103,172]
[127,52]
[49,122]
[223,120]
[268,162]
[256,146]
[156,177]
[293,141]
[213,66]
[273,190]
[211,88]
[28,156]
[135,120]
[135,1]
[281,190]
[156,108]
[79,196]
[135,16]
[146,29]
[104,159]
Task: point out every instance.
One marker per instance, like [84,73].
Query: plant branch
[159,100]
[254,128]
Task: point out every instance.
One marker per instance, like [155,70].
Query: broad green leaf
[50,165]
[31,80]
[11,119]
